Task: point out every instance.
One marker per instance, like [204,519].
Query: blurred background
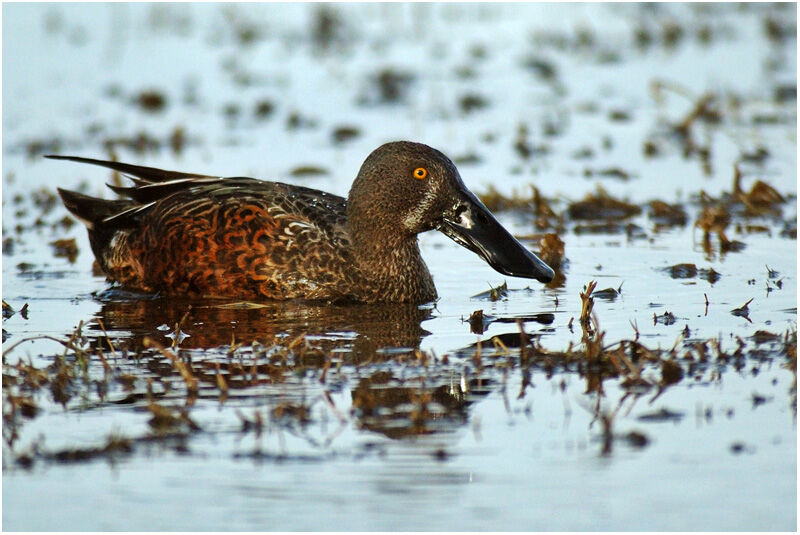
[517,93]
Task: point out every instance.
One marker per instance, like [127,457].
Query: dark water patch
[231,111]
[8,246]
[619,115]
[542,68]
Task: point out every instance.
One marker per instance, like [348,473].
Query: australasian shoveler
[188,234]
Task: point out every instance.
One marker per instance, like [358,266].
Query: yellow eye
[420,173]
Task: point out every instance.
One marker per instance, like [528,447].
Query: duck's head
[405,188]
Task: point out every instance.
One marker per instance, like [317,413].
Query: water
[392,439]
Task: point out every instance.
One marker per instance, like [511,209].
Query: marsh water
[672,408]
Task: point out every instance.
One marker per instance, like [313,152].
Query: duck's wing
[268,239]
[191,190]
[150,186]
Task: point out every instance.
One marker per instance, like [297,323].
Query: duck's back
[194,235]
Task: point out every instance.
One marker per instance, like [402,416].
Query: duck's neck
[389,262]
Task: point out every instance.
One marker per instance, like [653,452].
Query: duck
[193,235]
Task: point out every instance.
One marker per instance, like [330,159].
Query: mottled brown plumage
[186,234]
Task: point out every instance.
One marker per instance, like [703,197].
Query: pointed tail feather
[148,174]
[90,210]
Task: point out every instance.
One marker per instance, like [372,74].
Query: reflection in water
[420,406]
[275,352]
[170,355]
[362,329]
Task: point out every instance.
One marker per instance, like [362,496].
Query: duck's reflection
[270,350]
[358,329]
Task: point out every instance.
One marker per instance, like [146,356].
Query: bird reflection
[191,324]
[282,345]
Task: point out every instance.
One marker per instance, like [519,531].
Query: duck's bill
[473,226]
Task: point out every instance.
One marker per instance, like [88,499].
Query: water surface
[388,417]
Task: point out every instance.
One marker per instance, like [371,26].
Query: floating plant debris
[690,271]
[601,205]
[472,102]
[469,158]
[263,109]
[667,214]
[308,170]
[608,294]
[342,134]
[151,101]
[551,250]
[587,302]
[65,248]
[477,321]
[610,172]
[743,311]
[667,318]
[387,86]
[671,372]
[494,294]
[682,271]
[8,310]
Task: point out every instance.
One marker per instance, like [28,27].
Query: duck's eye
[420,173]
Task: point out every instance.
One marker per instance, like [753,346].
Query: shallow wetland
[647,151]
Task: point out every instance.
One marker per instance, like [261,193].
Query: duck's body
[186,234]
[249,239]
